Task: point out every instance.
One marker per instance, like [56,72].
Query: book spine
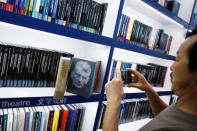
[30,7]
[93,79]
[3,4]
[27,7]
[50,122]
[54,11]
[35,9]
[50,10]
[41,8]
[22,7]
[10,5]
[46,9]
[5,122]
[42,121]
[61,79]
[26,125]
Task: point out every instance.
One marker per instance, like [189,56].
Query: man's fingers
[118,74]
[134,72]
[134,85]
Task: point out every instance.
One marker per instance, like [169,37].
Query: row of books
[85,15]
[135,32]
[171,5]
[173,99]
[25,66]
[154,74]
[43,118]
[130,110]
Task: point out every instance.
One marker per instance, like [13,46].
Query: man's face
[181,76]
[79,76]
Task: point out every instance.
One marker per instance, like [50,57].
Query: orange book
[64,117]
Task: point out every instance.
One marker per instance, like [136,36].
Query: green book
[5,112]
[27,7]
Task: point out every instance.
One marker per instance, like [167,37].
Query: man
[179,116]
[80,74]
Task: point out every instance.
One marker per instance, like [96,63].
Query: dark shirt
[172,119]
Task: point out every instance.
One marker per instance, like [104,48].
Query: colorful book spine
[22,7]
[53,16]
[27,116]
[5,113]
[46,9]
[10,5]
[113,69]
[42,122]
[41,9]
[27,7]
[3,4]
[35,9]
[50,10]
[92,83]
[55,119]
[10,119]
[30,7]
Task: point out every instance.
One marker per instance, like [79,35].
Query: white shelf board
[150,12]
[132,126]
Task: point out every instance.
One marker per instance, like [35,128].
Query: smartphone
[126,77]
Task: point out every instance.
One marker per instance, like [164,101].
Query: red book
[169,44]
[64,117]
[164,75]
[121,66]
[22,11]
[9,7]
[96,75]
[2,5]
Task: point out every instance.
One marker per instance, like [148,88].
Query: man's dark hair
[192,52]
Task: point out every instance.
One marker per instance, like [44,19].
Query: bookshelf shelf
[153,10]
[145,51]
[41,101]
[30,22]
[142,95]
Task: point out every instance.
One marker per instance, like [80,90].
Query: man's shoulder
[171,118]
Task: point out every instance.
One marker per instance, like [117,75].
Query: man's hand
[114,89]
[139,81]
[114,93]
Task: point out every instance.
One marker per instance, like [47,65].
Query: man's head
[184,69]
[80,74]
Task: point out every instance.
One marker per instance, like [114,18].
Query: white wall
[185,10]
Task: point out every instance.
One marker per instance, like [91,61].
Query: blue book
[93,79]
[17,6]
[50,10]
[113,70]
[70,116]
[75,117]
[27,116]
[46,9]
[79,116]
[53,16]
[42,122]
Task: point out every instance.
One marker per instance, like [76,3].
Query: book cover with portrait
[82,76]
